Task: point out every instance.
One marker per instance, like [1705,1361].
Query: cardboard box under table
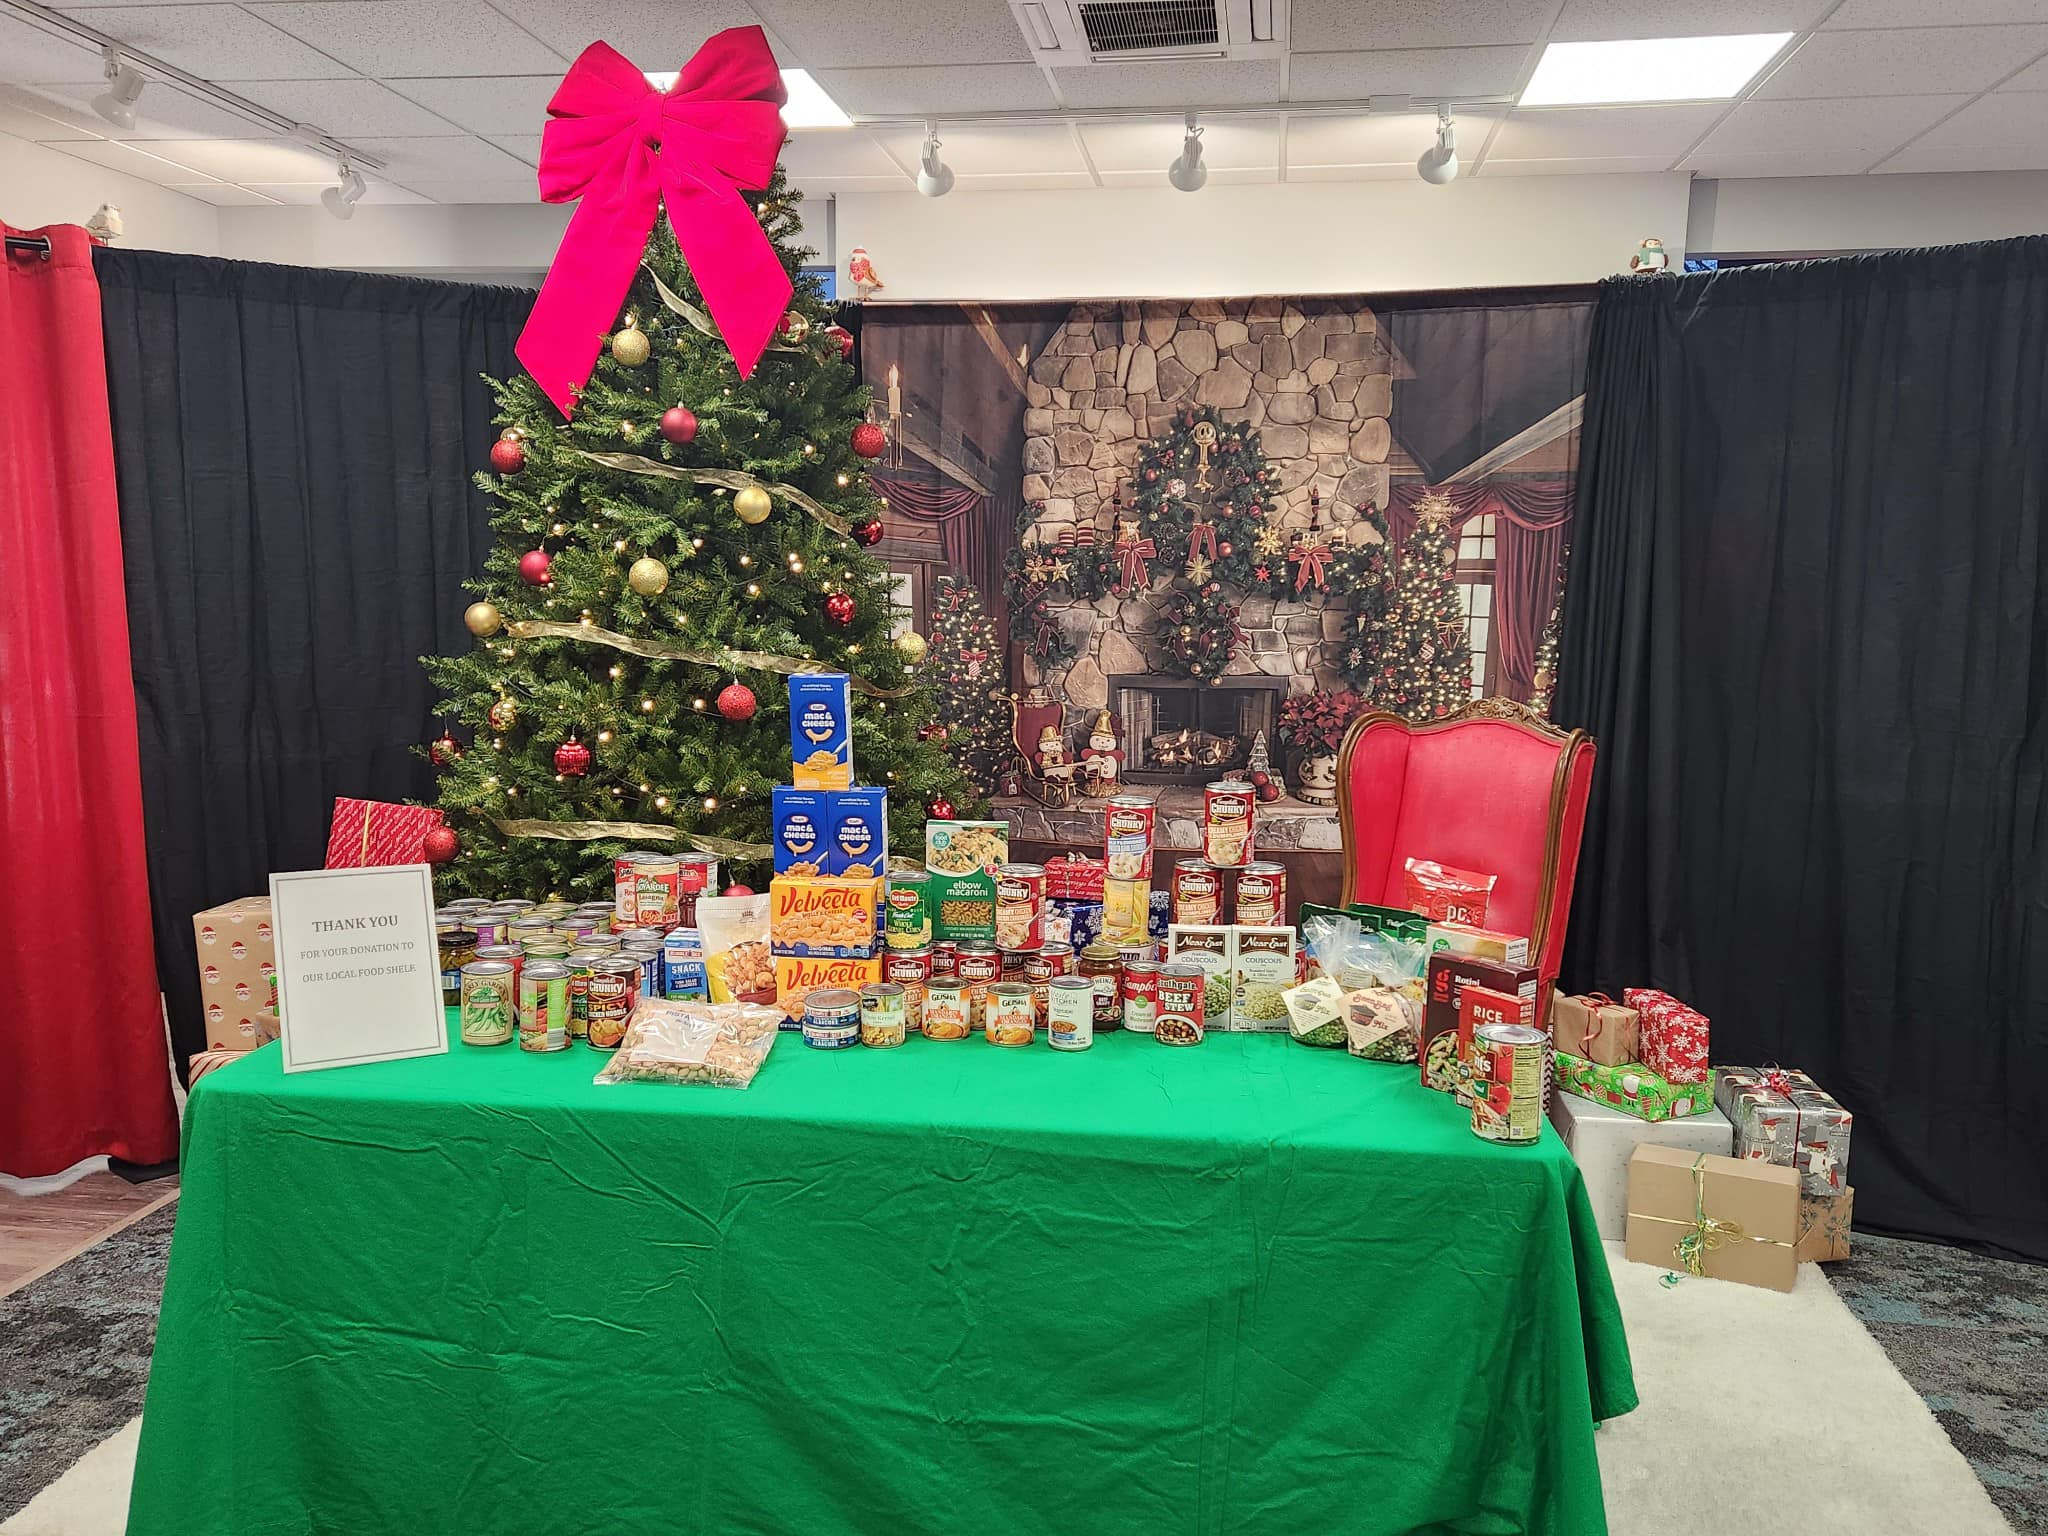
[1603,1138]
[237,972]
[1716,1217]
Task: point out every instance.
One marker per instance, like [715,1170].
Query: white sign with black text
[358,968]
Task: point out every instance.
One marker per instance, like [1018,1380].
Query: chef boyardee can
[832,1018]
[1070,1013]
[1507,1082]
[488,1001]
[882,1018]
[544,1006]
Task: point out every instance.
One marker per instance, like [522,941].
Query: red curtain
[964,518]
[87,1067]
[1531,517]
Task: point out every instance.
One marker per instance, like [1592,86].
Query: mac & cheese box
[800,832]
[823,916]
[857,844]
[820,731]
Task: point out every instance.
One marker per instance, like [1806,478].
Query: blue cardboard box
[801,831]
[820,731]
[857,842]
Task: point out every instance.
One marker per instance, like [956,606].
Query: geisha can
[1141,996]
[1020,906]
[1227,822]
[488,1000]
[1262,895]
[910,969]
[1180,1004]
[1197,892]
[1008,1019]
[946,1012]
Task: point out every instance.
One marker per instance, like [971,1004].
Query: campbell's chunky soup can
[1262,895]
[613,988]
[1127,836]
[1180,1004]
[910,969]
[1227,822]
[1020,906]
[1197,892]
[978,968]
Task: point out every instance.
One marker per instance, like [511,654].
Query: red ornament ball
[868,534]
[439,845]
[679,424]
[1268,791]
[869,440]
[443,750]
[939,808]
[844,338]
[1223,550]
[1262,778]
[507,456]
[572,759]
[736,702]
[736,889]
[839,608]
[533,567]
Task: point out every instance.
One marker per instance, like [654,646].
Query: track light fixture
[1187,173]
[117,102]
[1439,164]
[934,176]
[341,199]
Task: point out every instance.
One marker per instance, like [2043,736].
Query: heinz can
[1008,1019]
[1180,1004]
[1262,895]
[489,998]
[614,989]
[1227,822]
[624,889]
[544,1006]
[1507,1082]
[832,1018]
[910,969]
[1197,892]
[883,1022]
[907,911]
[1020,906]
[1127,836]
[1140,988]
[1070,1013]
[947,1014]
[657,890]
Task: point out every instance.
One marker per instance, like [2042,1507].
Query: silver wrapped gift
[1784,1117]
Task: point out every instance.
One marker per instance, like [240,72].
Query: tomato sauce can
[1070,1013]
[1262,895]
[910,969]
[1020,906]
[613,989]
[1008,1019]
[882,1017]
[832,1018]
[705,864]
[1140,989]
[1128,836]
[947,1014]
[1227,822]
[544,1006]
[1507,1082]
[489,998]
[1180,1004]
[1197,892]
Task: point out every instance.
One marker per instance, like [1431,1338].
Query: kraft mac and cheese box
[858,840]
[820,731]
[802,830]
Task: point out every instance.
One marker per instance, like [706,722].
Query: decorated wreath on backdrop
[1202,516]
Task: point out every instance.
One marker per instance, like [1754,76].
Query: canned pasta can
[1227,822]
[1262,895]
[883,1021]
[1181,989]
[1020,906]
[1070,1013]
[657,889]
[489,999]
[1008,1020]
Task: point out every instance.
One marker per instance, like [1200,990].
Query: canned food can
[832,1018]
[1014,963]
[512,955]
[1140,987]
[1137,949]
[1008,1019]
[546,946]
[513,904]
[1181,990]
[581,963]
[489,998]
[947,1013]
[544,1006]
[907,914]
[1070,1013]
[1127,836]
[705,864]
[552,909]
[604,943]
[978,968]
[1197,892]
[883,1017]
[657,889]
[1126,909]
[1227,822]
[1262,895]
[1020,906]
[614,989]
[522,928]
[945,958]
[1099,963]
[1507,1082]
[489,930]
[457,948]
[910,969]
[624,905]
[465,904]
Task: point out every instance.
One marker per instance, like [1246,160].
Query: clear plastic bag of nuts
[686,1040]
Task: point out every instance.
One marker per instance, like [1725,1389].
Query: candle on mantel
[895,392]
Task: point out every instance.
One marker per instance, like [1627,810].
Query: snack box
[1480,943]
[824,916]
[1264,966]
[1212,946]
[682,964]
[800,831]
[963,907]
[966,847]
[1448,973]
[820,731]
[797,976]
[1479,1005]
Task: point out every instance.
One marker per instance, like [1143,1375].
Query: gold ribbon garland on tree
[719,656]
[590,831]
[731,479]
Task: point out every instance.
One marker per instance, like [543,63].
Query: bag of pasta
[739,967]
[687,1040]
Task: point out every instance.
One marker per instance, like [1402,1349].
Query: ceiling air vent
[1063,33]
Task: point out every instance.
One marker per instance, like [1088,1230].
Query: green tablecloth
[1245,1287]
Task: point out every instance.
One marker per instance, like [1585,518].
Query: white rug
[1760,1413]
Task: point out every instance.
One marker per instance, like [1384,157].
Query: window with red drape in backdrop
[87,1066]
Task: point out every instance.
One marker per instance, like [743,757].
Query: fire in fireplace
[1177,732]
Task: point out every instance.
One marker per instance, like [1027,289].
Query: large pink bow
[623,148]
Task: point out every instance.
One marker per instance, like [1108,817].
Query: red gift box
[1672,1037]
[1072,877]
[366,833]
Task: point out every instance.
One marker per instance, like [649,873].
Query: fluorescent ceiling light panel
[1650,69]
[808,105]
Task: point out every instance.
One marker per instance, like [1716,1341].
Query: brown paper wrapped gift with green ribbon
[1595,1028]
[1718,1217]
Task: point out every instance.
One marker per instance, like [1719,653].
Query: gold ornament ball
[483,619]
[752,505]
[795,328]
[630,346]
[503,715]
[911,646]
[647,576]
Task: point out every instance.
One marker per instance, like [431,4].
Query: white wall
[1797,214]
[1289,237]
[40,186]
[497,241]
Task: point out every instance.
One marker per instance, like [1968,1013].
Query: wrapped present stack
[1786,1119]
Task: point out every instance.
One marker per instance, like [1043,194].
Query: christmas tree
[1365,637]
[1544,682]
[665,557]
[1426,658]
[966,668]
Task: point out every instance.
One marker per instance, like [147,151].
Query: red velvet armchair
[1490,788]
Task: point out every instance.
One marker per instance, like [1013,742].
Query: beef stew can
[1227,822]
[1262,895]
[1181,1019]
[1197,892]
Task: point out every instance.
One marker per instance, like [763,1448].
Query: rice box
[857,842]
[820,731]
[1264,968]
[1213,947]
[800,830]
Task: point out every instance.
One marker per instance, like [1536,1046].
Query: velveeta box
[799,830]
[823,916]
[820,731]
[798,976]
[857,838]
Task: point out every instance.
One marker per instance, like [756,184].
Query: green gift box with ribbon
[1721,1218]
[1633,1088]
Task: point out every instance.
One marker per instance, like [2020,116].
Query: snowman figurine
[1649,257]
[1104,759]
[1054,768]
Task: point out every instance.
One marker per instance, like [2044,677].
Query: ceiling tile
[521,146]
[1915,13]
[307,193]
[988,150]
[1600,21]
[1405,71]
[135,161]
[843,153]
[821,186]
[1036,181]
[2005,118]
[446,159]
[918,89]
[1391,140]
[1175,86]
[1327,25]
[216,42]
[35,118]
[222,194]
[1228,144]
[396,38]
[1495,168]
[1567,133]
[162,112]
[1219,176]
[824,34]
[1920,61]
[490,104]
[1872,125]
[1793,162]
[2033,78]
[244,159]
[345,107]
[32,55]
[477,190]
[654,34]
[1969,157]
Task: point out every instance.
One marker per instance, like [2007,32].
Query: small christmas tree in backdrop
[680,527]
[1365,637]
[972,715]
[1543,684]
[1426,660]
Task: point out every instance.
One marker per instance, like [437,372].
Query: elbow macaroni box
[820,731]
[963,857]
[1214,948]
[798,976]
[857,841]
[823,916]
[1264,968]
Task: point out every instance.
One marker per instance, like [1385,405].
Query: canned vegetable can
[1508,1063]
[1070,1013]
[489,999]
[544,1006]
[883,1021]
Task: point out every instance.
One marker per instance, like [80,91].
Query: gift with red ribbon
[368,833]
[1784,1117]
[1131,554]
[620,149]
[1594,1026]
[1672,1036]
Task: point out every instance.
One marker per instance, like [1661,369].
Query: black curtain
[294,451]
[1807,619]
